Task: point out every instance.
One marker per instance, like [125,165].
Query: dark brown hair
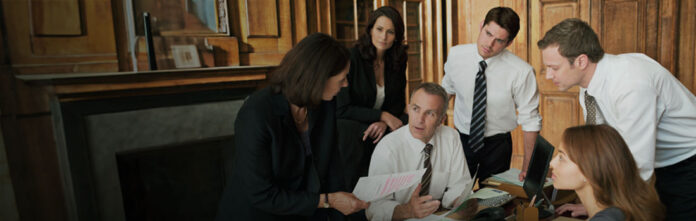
[304,70]
[607,163]
[506,18]
[397,53]
[573,37]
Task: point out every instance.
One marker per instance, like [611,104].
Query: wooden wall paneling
[32,158]
[121,36]
[96,48]
[668,34]
[686,70]
[300,20]
[452,25]
[100,38]
[264,49]
[225,51]
[56,18]
[8,205]
[262,18]
[432,30]
[322,16]
[561,110]
[625,26]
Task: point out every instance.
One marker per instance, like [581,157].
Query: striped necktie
[591,107]
[427,176]
[478,113]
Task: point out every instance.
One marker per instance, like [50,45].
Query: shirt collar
[489,60]
[417,144]
[597,81]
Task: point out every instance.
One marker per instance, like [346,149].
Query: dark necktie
[591,107]
[478,113]
[425,181]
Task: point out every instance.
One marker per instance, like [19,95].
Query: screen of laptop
[538,168]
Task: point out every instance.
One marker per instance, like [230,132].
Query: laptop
[538,168]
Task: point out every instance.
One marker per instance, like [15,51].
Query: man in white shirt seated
[642,100]
[405,150]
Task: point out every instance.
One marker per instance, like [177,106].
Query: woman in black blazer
[285,165]
[374,102]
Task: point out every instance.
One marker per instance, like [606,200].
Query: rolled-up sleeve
[526,97]
[447,81]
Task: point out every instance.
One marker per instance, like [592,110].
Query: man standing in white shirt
[421,144]
[650,108]
[491,84]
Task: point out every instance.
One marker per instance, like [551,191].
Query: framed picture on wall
[185,56]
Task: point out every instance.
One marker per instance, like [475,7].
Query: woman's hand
[391,121]
[346,203]
[375,131]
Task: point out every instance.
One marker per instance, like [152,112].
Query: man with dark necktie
[495,91]
[422,144]
[654,113]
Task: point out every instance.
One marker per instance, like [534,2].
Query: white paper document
[374,187]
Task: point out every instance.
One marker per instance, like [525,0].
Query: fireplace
[151,157]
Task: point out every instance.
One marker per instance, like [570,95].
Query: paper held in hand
[374,187]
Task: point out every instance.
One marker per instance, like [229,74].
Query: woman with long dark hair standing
[375,102]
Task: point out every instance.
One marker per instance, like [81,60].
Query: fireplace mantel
[81,86]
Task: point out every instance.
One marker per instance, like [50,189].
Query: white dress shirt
[511,86]
[654,113]
[399,152]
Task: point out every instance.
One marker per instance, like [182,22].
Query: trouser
[676,185]
[493,158]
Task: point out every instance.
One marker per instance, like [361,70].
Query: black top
[274,177]
[355,102]
[609,214]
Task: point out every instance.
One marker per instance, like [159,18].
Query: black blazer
[355,102]
[273,176]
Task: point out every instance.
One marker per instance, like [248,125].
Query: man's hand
[346,203]
[574,209]
[422,206]
[522,175]
[391,121]
[375,131]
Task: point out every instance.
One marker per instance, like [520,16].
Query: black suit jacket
[355,102]
[274,178]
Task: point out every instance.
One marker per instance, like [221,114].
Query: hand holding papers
[374,187]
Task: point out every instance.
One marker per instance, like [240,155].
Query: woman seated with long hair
[595,161]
